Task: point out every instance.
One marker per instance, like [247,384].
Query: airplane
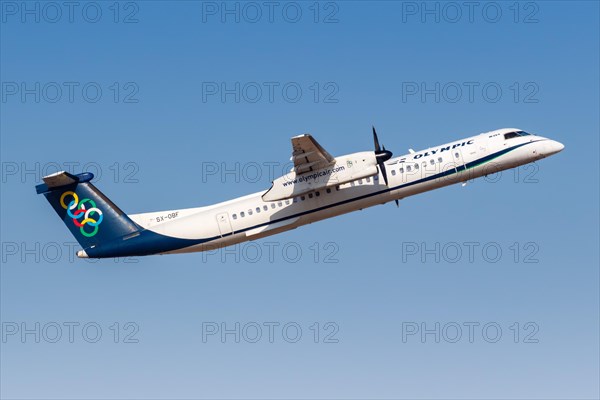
[319,186]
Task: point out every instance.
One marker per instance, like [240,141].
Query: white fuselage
[250,217]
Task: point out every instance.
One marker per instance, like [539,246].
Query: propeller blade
[384,173]
[375,140]
[382,155]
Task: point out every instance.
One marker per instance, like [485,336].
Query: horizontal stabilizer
[61,179]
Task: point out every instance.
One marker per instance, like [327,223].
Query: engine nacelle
[346,169]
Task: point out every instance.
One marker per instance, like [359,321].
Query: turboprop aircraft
[319,186]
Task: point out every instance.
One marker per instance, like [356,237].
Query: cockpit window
[515,134]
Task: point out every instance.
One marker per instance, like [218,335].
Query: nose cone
[552,147]
[383,155]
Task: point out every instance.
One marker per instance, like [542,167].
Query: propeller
[382,155]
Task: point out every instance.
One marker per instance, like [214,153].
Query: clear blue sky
[153,137]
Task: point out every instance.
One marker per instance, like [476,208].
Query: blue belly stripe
[149,242]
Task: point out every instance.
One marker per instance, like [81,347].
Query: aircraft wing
[308,155]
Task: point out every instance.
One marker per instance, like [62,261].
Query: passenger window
[408,169]
[317,194]
[328,190]
[440,160]
[257,210]
[416,166]
[279,204]
[234,216]
[273,205]
[360,181]
[242,214]
[368,179]
[394,172]
[265,207]
[456,155]
[401,170]
[287,202]
[310,195]
[250,212]
[302,198]
[432,161]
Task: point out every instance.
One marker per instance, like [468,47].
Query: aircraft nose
[552,147]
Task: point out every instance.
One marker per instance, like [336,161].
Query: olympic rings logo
[77,210]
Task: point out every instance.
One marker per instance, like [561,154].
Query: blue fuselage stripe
[402,186]
[149,242]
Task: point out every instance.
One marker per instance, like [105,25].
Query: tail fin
[90,216]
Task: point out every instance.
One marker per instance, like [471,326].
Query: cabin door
[224,224]
[459,164]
